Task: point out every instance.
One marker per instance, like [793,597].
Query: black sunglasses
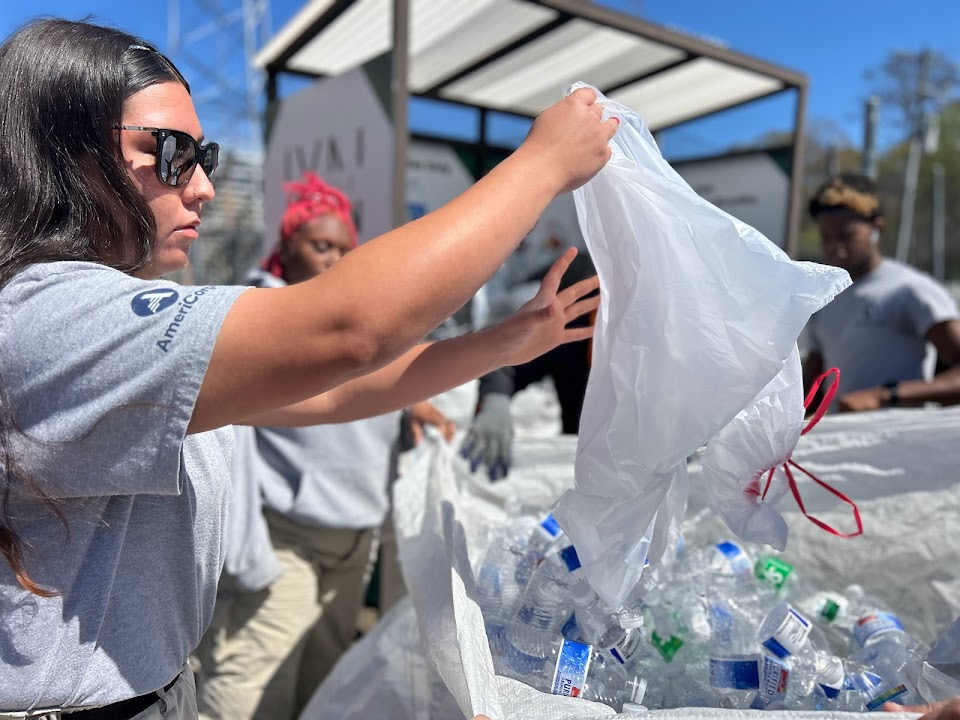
[178,155]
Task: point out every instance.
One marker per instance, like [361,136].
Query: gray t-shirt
[875,330]
[101,371]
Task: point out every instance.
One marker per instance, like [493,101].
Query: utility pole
[918,130]
[871,116]
[939,240]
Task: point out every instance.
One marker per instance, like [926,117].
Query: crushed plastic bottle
[498,592]
[553,664]
[547,601]
[599,626]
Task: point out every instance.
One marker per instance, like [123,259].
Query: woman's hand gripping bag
[699,312]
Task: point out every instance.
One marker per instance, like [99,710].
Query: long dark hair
[64,189]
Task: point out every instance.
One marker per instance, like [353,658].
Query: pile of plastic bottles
[707,627]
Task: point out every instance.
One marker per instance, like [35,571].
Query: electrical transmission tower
[213,42]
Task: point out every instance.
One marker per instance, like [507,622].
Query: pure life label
[573,662]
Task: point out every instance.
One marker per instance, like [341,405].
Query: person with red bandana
[308,506]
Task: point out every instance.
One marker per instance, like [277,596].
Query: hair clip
[139,47]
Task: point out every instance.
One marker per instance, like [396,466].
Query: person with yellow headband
[877,331]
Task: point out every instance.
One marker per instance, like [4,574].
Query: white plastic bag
[736,462]
[698,313]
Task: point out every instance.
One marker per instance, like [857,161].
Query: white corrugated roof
[519,55]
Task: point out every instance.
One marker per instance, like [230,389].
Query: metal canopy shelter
[517,56]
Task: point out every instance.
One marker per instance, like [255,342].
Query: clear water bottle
[734,668]
[547,600]
[498,592]
[821,606]
[599,626]
[789,637]
[543,538]
[735,680]
[888,671]
[871,621]
[553,664]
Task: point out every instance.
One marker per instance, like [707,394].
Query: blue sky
[833,42]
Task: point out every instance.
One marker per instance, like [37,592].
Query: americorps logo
[150,302]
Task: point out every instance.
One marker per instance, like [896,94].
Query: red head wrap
[306,200]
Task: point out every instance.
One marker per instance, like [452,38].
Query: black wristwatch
[894,389]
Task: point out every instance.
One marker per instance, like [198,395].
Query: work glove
[490,438]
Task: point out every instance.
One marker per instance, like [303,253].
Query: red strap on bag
[791,480]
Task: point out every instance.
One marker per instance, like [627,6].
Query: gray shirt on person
[875,331]
[101,372]
[331,476]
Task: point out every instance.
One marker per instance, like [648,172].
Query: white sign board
[753,188]
[338,128]
[435,176]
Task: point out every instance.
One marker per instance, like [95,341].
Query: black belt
[122,710]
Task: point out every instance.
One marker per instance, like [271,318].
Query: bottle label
[667,648]
[876,691]
[736,558]
[549,526]
[736,673]
[874,624]
[573,662]
[790,636]
[774,676]
[625,647]
[773,570]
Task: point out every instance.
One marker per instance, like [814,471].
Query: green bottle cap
[829,610]
[667,648]
[773,570]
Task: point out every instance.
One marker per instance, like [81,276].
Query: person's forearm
[943,389]
[438,262]
[421,373]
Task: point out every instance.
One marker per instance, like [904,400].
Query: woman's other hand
[541,324]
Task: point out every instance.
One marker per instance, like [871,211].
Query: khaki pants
[177,703]
[267,652]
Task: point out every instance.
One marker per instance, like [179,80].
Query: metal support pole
[796,172]
[905,234]
[871,116]
[912,172]
[399,101]
[939,240]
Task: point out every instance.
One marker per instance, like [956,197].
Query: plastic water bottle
[821,606]
[544,537]
[600,627]
[881,675]
[562,667]
[547,601]
[734,668]
[890,672]
[787,635]
[872,621]
[498,592]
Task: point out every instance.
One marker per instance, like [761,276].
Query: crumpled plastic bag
[735,463]
[698,313]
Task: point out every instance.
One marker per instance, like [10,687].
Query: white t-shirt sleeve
[102,372]
[929,304]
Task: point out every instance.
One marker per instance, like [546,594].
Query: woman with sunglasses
[117,388]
